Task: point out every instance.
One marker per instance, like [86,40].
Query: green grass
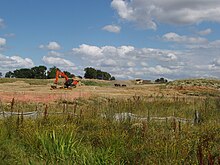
[96,83]
[47,81]
[29,81]
[214,83]
[90,139]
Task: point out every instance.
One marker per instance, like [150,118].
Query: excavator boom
[62,74]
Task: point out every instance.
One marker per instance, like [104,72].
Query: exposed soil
[25,92]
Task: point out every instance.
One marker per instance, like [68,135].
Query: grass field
[110,125]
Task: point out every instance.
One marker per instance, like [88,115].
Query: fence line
[117,116]
[33,114]
[133,117]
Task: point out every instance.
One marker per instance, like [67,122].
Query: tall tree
[68,74]
[39,72]
[96,74]
[9,74]
[90,73]
[52,72]
[112,78]
[161,80]
[100,75]
[23,73]
[0,74]
[106,76]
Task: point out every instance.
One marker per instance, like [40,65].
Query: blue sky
[128,38]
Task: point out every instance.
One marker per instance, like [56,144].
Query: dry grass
[39,90]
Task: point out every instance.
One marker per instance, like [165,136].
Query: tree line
[41,72]
[92,73]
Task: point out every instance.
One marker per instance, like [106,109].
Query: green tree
[161,80]
[99,75]
[106,76]
[23,73]
[68,74]
[112,78]
[9,74]
[96,74]
[39,72]
[52,72]
[0,74]
[90,73]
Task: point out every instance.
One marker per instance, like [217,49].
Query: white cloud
[205,32]
[159,70]
[51,46]
[212,45]
[54,53]
[123,9]
[147,12]
[172,56]
[128,62]
[123,50]
[56,61]
[131,64]
[2,41]
[108,63]
[14,62]
[216,62]
[112,28]
[22,62]
[173,37]
[2,24]
[94,51]
[88,50]
[144,64]
[160,54]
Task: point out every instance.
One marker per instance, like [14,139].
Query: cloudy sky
[130,39]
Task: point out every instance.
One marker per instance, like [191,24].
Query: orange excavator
[69,82]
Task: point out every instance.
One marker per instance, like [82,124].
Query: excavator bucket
[54,86]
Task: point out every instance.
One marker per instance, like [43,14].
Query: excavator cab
[70,83]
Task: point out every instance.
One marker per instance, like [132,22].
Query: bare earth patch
[24,92]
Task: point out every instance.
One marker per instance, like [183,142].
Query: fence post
[45,112]
[36,109]
[196,117]
[74,108]
[174,124]
[12,104]
[64,107]
[22,117]
[18,120]
[148,115]
[179,126]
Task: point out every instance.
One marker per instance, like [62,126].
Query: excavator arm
[68,82]
[62,74]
